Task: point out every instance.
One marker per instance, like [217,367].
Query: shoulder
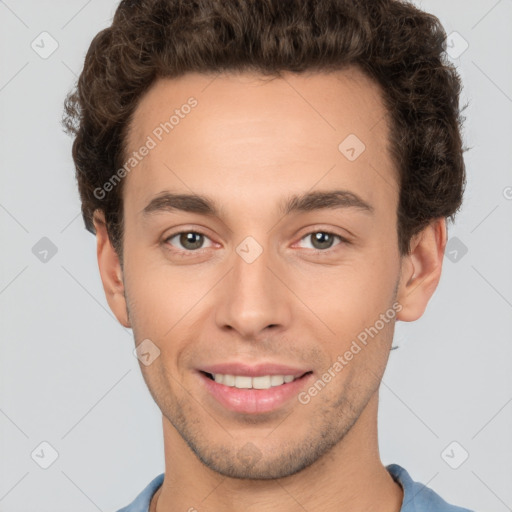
[143,499]
[418,497]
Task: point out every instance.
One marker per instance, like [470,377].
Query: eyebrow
[307,202]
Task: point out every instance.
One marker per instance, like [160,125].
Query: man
[269,184]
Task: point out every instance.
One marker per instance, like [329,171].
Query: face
[277,269]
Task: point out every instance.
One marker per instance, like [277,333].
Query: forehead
[239,133]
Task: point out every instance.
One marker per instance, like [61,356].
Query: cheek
[150,299]
[162,298]
[354,292]
[348,309]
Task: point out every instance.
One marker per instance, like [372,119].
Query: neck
[349,477]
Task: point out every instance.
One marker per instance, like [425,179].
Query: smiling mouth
[248,382]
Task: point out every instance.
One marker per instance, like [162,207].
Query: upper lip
[254,370]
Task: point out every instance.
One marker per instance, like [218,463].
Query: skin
[249,144]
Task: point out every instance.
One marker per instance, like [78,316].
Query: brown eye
[322,240]
[188,240]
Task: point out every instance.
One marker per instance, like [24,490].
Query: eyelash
[187,253]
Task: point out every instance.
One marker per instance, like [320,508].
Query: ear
[110,270]
[421,270]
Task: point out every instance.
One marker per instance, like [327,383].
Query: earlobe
[110,271]
[421,270]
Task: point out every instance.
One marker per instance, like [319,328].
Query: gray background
[67,372]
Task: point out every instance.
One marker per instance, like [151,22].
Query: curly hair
[397,45]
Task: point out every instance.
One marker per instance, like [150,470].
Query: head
[324,140]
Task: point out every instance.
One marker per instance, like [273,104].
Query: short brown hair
[397,45]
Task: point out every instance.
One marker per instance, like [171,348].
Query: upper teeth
[246,382]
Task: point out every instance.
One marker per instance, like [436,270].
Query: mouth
[253,394]
[248,382]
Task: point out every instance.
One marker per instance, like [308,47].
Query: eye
[322,240]
[189,240]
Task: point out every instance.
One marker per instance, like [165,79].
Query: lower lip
[254,401]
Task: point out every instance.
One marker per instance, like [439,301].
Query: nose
[253,298]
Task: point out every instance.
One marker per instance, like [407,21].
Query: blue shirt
[417,497]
